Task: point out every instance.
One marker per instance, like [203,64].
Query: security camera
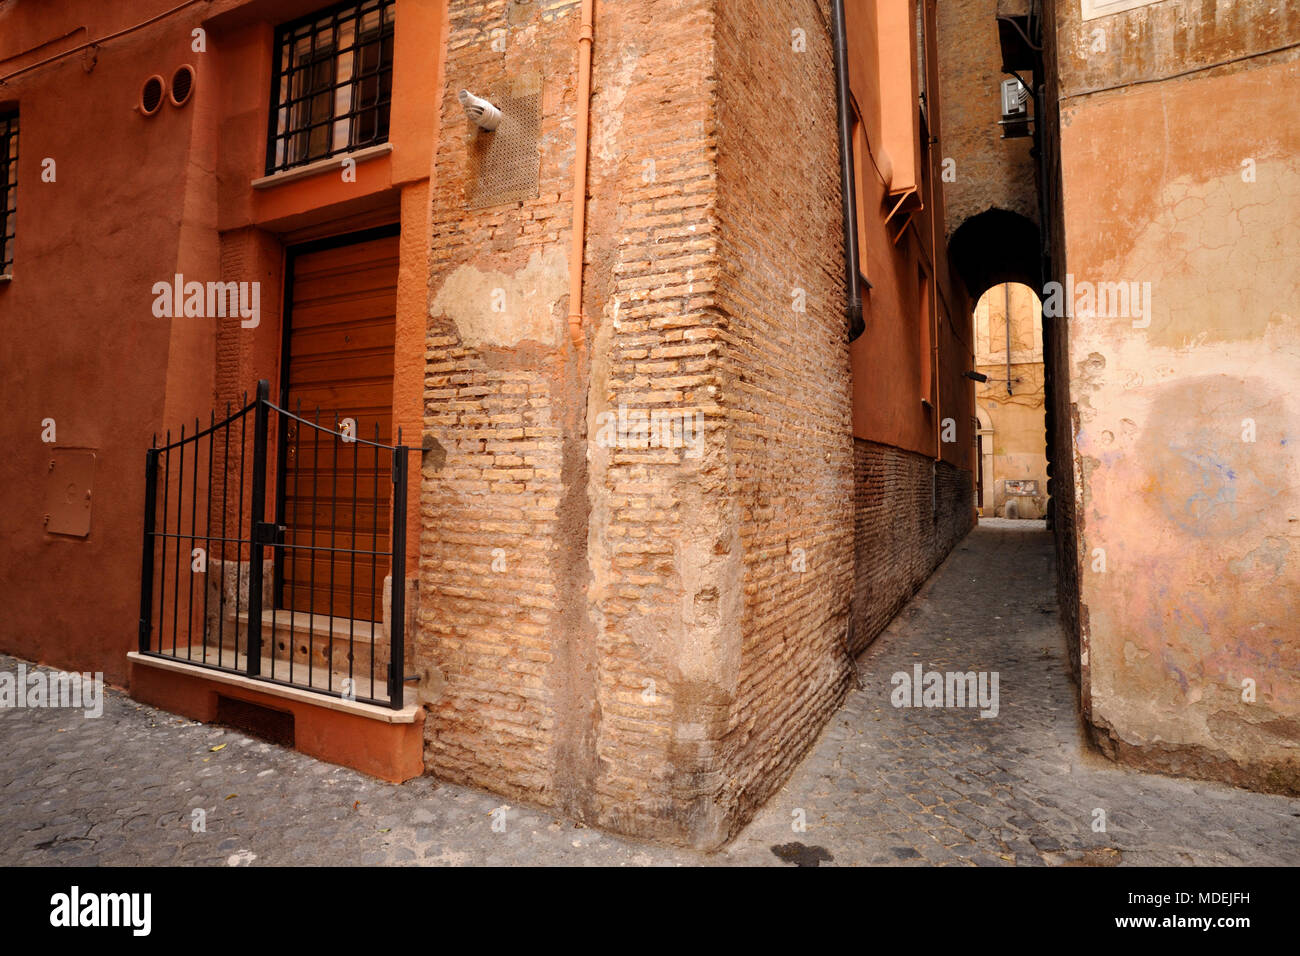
[479,110]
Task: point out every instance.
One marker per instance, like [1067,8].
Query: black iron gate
[210,531]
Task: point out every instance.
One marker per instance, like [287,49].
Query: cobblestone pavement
[940,786]
[883,784]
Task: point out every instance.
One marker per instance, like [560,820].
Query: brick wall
[788,387]
[651,661]
[987,171]
[490,641]
[660,526]
[670,630]
[901,530]
[573,678]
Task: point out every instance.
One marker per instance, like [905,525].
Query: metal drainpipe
[582,122]
[1006,314]
[848,189]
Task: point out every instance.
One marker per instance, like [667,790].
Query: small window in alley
[8,188]
[333,83]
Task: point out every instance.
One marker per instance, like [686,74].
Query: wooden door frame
[291,254]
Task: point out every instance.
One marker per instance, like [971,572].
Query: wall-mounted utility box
[70,481]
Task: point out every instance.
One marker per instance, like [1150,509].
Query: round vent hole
[182,85]
[151,95]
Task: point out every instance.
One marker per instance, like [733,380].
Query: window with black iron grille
[8,188]
[332,84]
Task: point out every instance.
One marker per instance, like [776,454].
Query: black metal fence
[329,532]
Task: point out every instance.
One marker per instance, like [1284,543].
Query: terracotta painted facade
[913,409]
[132,198]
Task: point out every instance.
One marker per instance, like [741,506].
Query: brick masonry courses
[900,533]
[651,659]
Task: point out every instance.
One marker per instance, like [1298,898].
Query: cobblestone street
[884,785]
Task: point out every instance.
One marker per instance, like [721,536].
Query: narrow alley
[883,785]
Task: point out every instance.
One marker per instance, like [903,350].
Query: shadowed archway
[997,246]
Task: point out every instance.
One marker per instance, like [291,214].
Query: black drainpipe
[848,195]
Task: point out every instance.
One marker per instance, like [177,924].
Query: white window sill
[6,277]
[322,165]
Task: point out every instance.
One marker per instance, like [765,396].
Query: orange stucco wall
[890,362]
[136,200]
[81,345]
[390,751]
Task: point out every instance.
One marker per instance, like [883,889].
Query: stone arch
[997,246]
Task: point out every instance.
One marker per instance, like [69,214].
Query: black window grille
[8,188]
[333,83]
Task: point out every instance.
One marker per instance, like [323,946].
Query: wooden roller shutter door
[340,359]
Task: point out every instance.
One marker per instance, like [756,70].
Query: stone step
[339,645]
[277,668]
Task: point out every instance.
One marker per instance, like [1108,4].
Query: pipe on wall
[848,189]
[582,122]
[1006,309]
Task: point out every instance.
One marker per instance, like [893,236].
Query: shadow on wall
[996,246]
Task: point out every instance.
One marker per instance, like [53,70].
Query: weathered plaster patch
[1187,471]
[607,111]
[1214,249]
[1270,557]
[1208,482]
[529,301]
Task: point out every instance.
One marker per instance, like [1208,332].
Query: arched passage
[1010,402]
[999,246]
[996,246]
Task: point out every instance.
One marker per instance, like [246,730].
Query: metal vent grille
[505,164]
[151,95]
[182,85]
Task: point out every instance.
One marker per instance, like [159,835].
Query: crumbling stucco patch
[1202,230]
[498,309]
[607,107]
